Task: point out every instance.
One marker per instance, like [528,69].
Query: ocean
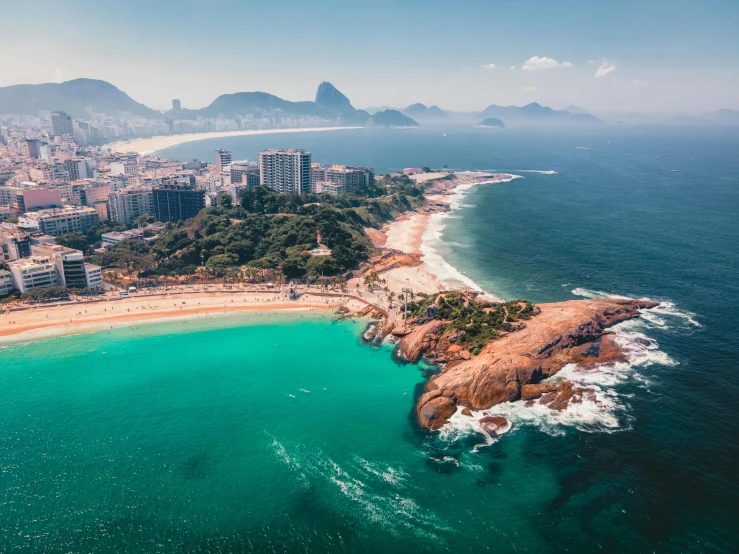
[285,433]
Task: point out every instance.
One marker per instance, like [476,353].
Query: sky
[666,56]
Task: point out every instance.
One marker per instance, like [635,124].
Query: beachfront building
[286,171]
[93,276]
[6,283]
[72,271]
[69,263]
[125,206]
[33,273]
[60,221]
[173,202]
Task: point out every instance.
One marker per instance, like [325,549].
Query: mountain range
[81,97]
[72,97]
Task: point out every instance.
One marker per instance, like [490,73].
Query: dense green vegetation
[481,321]
[265,230]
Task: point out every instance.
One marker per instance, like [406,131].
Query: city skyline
[658,57]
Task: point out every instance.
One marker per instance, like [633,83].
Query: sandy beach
[403,265]
[406,233]
[42,321]
[148,145]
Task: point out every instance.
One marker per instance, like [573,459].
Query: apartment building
[287,171]
[125,206]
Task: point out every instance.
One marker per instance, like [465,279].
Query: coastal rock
[400,331]
[494,425]
[466,412]
[435,412]
[413,345]
[532,392]
[562,333]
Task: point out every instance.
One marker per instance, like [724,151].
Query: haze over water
[290,435]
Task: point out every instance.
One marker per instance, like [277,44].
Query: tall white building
[287,171]
[223,160]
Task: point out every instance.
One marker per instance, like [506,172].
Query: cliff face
[561,333]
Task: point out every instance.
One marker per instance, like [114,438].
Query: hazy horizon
[657,57]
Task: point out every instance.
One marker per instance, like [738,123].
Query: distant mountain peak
[328,95]
[391,118]
[421,111]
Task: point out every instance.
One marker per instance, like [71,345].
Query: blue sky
[649,55]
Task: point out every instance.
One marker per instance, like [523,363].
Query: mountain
[491,122]
[328,95]
[420,111]
[71,97]
[535,113]
[391,118]
[329,104]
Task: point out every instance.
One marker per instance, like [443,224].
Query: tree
[220,263]
[294,266]
[143,220]
[77,241]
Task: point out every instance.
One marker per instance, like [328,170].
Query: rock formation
[513,366]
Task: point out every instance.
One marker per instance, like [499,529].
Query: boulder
[494,425]
[435,412]
[532,392]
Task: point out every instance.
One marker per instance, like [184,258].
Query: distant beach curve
[148,145]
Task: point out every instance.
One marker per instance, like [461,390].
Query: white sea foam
[367,491]
[661,316]
[583,148]
[539,171]
[606,410]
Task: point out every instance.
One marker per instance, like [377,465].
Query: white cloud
[512,67]
[535,63]
[604,69]
[529,88]
[591,62]
[489,66]
[638,83]
[58,75]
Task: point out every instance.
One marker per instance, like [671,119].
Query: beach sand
[44,321]
[148,145]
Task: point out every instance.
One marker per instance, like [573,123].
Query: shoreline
[410,262]
[147,146]
[44,321]
[414,234]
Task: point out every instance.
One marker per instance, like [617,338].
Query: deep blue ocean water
[163,440]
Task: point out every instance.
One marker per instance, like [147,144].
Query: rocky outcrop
[422,339]
[561,333]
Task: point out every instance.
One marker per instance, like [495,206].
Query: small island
[491,122]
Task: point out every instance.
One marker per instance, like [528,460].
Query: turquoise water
[185,437]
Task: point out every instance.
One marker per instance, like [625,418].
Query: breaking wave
[372,493]
[431,243]
[606,409]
